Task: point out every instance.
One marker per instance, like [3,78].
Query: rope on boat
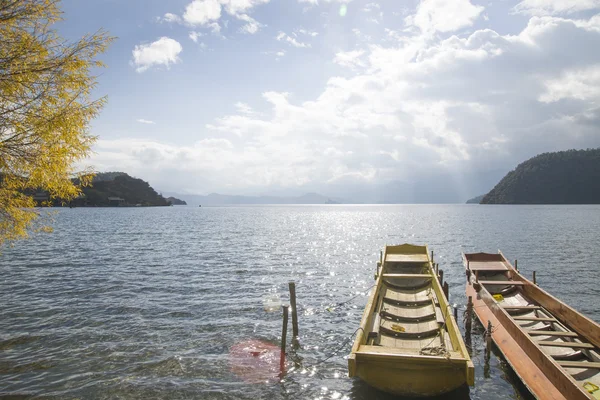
[435,351]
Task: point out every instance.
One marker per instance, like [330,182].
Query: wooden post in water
[283,339]
[431,255]
[455,313]
[534,281]
[516,265]
[441,277]
[488,340]
[292,286]
[469,317]
[445,289]
[437,269]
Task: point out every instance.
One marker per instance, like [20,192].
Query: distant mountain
[476,200]
[565,177]
[224,199]
[176,202]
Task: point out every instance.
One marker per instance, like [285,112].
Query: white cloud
[555,7]
[416,107]
[316,2]
[195,35]
[165,51]
[283,37]
[371,7]
[207,13]
[244,108]
[444,15]
[581,84]
[306,32]
[278,54]
[251,27]
[202,12]
[169,18]
[145,121]
[349,59]
[237,7]
[215,28]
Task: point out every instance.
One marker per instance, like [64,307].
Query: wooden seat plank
[579,364]
[545,319]
[521,307]
[573,345]
[413,258]
[517,283]
[487,266]
[552,333]
[407,276]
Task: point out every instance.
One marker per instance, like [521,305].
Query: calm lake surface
[140,303]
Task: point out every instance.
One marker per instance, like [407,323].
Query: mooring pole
[455,313]
[292,286]
[283,339]
[431,255]
[441,277]
[517,265]
[488,340]
[445,289]
[469,317]
[437,269]
[534,281]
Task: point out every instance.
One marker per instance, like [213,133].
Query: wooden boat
[408,342]
[552,348]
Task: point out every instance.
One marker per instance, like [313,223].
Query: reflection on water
[272,303]
[148,303]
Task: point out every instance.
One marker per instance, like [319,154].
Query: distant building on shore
[115,201]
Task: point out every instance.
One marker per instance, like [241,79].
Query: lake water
[147,302]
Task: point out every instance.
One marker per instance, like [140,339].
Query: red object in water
[256,361]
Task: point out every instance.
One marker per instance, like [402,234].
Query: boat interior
[528,307]
[410,311]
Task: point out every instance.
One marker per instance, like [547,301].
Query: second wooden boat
[408,342]
[551,347]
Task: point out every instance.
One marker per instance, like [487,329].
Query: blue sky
[340,97]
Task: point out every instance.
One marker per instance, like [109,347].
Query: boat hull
[414,378]
[540,385]
[551,347]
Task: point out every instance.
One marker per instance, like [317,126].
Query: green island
[564,177]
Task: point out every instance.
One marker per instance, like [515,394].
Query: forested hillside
[118,188]
[565,177]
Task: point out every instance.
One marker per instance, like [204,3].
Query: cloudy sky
[345,97]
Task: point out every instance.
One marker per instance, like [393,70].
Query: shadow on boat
[361,390]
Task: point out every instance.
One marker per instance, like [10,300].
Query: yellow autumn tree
[46,106]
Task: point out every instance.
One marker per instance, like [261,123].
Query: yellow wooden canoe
[408,342]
